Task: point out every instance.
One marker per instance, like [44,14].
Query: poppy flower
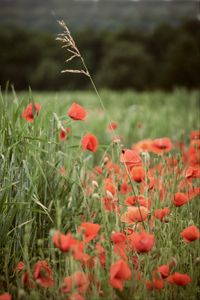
[62,241]
[130,157]
[158,283]
[179,279]
[160,214]
[134,200]
[119,241]
[5,296]
[31,111]
[161,145]
[112,126]
[142,242]
[137,174]
[43,274]
[90,230]
[90,142]
[76,297]
[180,199]
[101,254]
[76,112]
[20,266]
[164,271]
[135,214]
[190,234]
[63,133]
[143,145]
[78,280]
[119,272]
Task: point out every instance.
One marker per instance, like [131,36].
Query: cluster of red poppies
[140,194]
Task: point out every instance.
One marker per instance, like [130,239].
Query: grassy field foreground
[112,217]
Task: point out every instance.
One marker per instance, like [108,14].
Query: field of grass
[50,186]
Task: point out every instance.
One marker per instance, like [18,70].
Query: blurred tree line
[165,58]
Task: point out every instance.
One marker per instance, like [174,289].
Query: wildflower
[160,214]
[20,266]
[142,242]
[137,174]
[101,254]
[78,280]
[76,112]
[180,199]
[43,274]
[76,297]
[112,126]
[190,234]
[90,142]
[5,296]
[119,272]
[130,157]
[179,279]
[163,271]
[119,241]
[90,230]
[63,133]
[62,241]
[162,145]
[31,111]
[134,214]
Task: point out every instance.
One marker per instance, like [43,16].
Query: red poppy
[192,172]
[119,272]
[141,200]
[62,241]
[90,230]
[78,280]
[31,111]
[160,214]
[179,279]
[76,297]
[112,126]
[162,145]
[134,214]
[190,234]
[101,253]
[142,242]
[64,133]
[195,134]
[43,274]
[138,174]
[164,271]
[119,241]
[20,266]
[90,142]
[5,296]
[76,112]
[130,157]
[180,199]
[143,145]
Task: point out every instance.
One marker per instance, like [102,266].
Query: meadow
[99,202]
